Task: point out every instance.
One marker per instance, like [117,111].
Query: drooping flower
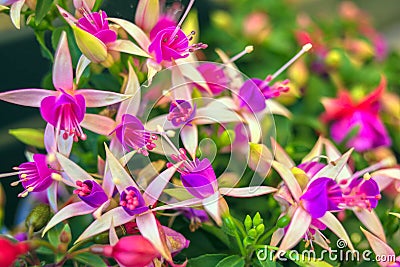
[10,251]
[131,251]
[90,192]
[64,108]
[322,195]
[35,176]
[132,201]
[97,41]
[132,134]
[347,115]
[96,24]
[181,112]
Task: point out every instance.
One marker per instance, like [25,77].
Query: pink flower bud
[132,251]
[11,251]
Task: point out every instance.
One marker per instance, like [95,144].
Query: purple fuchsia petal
[316,200]
[131,134]
[201,182]
[181,112]
[91,193]
[163,23]
[132,201]
[167,48]
[176,242]
[250,97]
[214,76]
[96,24]
[36,174]
[311,168]
[365,193]
[7,2]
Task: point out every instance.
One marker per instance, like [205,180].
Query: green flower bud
[38,217]
[257,219]
[247,241]
[333,59]
[248,223]
[283,221]
[260,229]
[229,225]
[252,233]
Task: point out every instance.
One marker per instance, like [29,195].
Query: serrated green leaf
[30,137]
[42,8]
[90,259]
[206,260]
[231,261]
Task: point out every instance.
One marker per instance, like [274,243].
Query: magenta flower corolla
[96,24]
[214,76]
[200,181]
[132,134]
[35,176]
[162,23]
[347,115]
[362,193]
[181,112]
[322,195]
[132,201]
[65,112]
[91,193]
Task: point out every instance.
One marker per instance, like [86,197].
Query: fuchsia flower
[96,24]
[131,134]
[181,112]
[35,176]
[90,192]
[64,108]
[346,115]
[132,201]
[214,76]
[131,251]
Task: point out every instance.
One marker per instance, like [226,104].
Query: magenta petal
[164,22]
[96,197]
[214,76]
[316,199]
[311,168]
[250,97]
[36,174]
[106,36]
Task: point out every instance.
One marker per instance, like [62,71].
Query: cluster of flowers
[198,95]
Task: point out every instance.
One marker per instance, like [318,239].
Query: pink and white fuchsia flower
[65,107]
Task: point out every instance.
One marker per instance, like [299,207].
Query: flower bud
[38,217]
[11,251]
[283,221]
[260,229]
[252,233]
[257,220]
[130,251]
[248,223]
[93,48]
[247,241]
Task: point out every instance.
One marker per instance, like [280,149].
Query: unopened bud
[260,229]
[257,219]
[38,217]
[248,223]
[252,233]
[283,221]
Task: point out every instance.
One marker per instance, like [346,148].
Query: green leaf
[231,261]
[90,259]
[30,137]
[42,8]
[206,260]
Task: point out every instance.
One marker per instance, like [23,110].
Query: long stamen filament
[303,50]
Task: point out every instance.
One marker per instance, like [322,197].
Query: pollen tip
[249,49]
[307,47]
[116,181]
[56,176]
[367,176]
